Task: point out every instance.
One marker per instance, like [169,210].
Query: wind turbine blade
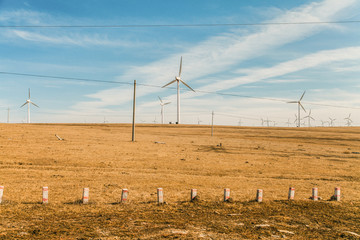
[34,104]
[180,66]
[160,99]
[167,103]
[24,104]
[169,83]
[187,85]
[292,102]
[302,106]
[29,93]
[302,96]
[312,118]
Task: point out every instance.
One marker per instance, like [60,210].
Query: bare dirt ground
[103,158]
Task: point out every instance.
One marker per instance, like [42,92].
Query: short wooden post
[259,195]
[160,196]
[45,195]
[337,194]
[85,196]
[226,194]
[291,193]
[124,195]
[315,196]
[1,193]
[193,194]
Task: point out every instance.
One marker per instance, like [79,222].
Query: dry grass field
[103,158]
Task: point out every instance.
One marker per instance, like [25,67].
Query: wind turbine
[28,102]
[239,123]
[267,121]
[296,120]
[178,80]
[199,121]
[348,120]
[288,122]
[162,104]
[331,123]
[262,122]
[299,105]
[309,117]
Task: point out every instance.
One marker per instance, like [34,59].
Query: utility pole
[133,121]
[212,123]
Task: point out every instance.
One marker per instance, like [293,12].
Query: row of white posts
[160,195]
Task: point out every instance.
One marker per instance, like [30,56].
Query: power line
[158,86]
[181,25]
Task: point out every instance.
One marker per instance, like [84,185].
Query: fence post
[259,195]
[1,193]
[160,196]
[291,193]
[45,195]
[226,194]
[124,195]
[85,197]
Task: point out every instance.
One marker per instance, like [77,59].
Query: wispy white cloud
[73,39]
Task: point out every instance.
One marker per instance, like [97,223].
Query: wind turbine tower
[299,105]
[178,80]
[162,104]
[28,102]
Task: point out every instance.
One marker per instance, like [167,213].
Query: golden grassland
[103,158]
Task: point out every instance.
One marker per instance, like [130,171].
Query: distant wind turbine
[178,80]
[309,117]
[288,122]
[331,123]
[199,121]
[299,105]
[267,121]
[348,120]
[28,102]
[162,104]
[239,123]
[323,123]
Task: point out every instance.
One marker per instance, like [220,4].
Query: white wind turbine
[28,102]
[331,123]
[309,117]
[178,80]
[348,120]
[299,105]
[162,104]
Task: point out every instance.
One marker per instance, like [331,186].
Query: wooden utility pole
[212,123]
[133,120]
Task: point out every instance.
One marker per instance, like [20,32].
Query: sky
[244,69]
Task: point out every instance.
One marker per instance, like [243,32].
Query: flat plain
[178,158]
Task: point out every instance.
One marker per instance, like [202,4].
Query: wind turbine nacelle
[177,78]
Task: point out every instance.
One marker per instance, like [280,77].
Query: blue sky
[264,61]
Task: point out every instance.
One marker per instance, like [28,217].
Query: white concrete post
[1,193]
[226,194]
[291,195]
[259,195]
[315,196]
[337,194]
[193,194]
[45,195]
[160,196]
[124,195]
[85,196]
